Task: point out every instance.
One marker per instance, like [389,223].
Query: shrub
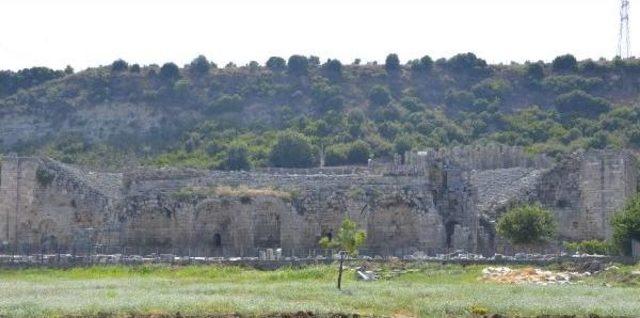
[469,64]
[44,176]
[590,247]
[135,68]
[358,152]
[534,72]
[236,158]
[292,150]
[526,224]
[459,99]
[578,103]
[626,225]
[298,65]
[335,155]
[379,96]
[564,63]
[227,103]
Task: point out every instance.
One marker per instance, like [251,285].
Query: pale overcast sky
[86,33]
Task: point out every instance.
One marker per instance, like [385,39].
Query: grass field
[425,291]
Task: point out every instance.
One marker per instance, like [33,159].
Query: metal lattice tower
[624,41]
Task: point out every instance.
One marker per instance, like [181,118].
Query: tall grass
[429,291]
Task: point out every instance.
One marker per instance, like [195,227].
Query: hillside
[288,112]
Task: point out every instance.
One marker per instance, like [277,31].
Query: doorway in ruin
[267,229]
[217,240]
[450,228]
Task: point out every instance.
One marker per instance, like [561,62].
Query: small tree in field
[526,225]
[348,240]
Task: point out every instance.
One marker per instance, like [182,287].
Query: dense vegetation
[296,112]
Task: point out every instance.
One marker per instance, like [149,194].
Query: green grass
[426,291]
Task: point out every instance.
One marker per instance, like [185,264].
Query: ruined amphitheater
[432,201]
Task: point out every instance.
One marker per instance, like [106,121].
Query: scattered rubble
[530,275]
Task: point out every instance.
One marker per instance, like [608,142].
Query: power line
[624,40]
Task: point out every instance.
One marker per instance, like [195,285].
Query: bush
[236,158]
[335,155]
[276,64]
[626,225]
[170,71]
[526,224]
[292,150]
[578,103]
[459,99]
[119,65]
[392,63]
[590,247]
[469,64]
[44,176]
[227,103]
[379,96]
[491,89]
[564,63]
[298,65]
[358,152]
[534,72]
[135,68]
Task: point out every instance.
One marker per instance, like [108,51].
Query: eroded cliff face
[434,202]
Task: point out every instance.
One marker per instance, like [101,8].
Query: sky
[86,33]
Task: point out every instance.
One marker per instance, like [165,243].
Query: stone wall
[433,202]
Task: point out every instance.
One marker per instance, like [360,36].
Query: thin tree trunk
[340,271]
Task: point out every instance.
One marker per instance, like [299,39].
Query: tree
[68,70]
[276,64]
[534,72]
[170,71]
[200,65]
[292,150]
[333,69]
[379,96]
[358,152]
[135,68]
[119,65]
[564,63]
[237,158]
[348,240]
[392,63]
[298,65]
[526,224]
[626,225]
[422,66]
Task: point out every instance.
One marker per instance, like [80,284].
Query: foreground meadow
[424,291]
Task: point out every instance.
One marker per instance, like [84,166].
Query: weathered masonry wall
[434,201]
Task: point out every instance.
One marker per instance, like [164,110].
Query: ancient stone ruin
[430,201]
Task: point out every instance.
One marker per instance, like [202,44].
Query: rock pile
[529,275]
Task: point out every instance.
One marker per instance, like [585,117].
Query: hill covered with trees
[291,112]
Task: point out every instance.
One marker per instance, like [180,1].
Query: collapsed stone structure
[432,201]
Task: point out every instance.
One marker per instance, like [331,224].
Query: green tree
[581,104]
[626,225]
[298,65]
[333,69]
[170,71]
[292,150]
[237,157]
[200,65]
[422,66]
[119,65]
[358,152]
[348,241]
[534,72]
[379,96]
[526,225]
[276,64]
[564,63]
[392,63]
